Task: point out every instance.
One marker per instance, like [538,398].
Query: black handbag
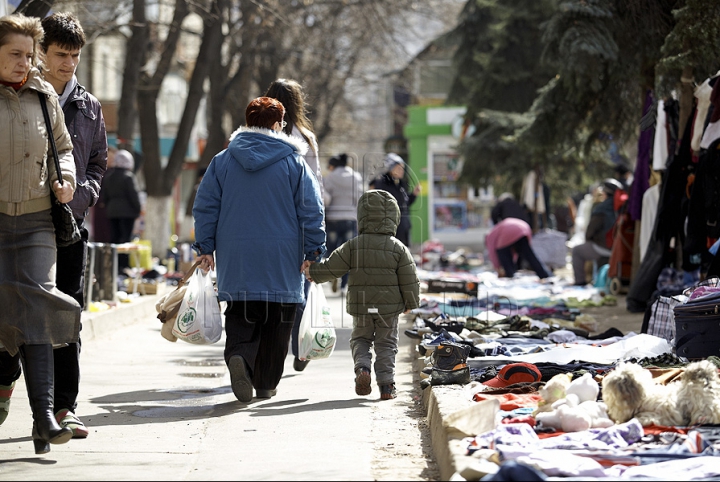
[66,229]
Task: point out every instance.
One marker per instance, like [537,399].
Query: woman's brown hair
[292,96]
[264,112]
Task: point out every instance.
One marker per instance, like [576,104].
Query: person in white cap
[393,181]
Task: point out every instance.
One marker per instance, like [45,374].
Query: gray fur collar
[300,145]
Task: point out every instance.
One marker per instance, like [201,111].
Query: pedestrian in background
[292,96]
[98,213]
[35,314]
[393,181]
[598,234]
[508,207]
[343,188]
[121,197]
[259,210]
[61,47]
[508,244]
[382,283]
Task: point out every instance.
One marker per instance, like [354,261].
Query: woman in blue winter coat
[259,210]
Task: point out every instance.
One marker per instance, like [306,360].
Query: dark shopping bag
[697,327]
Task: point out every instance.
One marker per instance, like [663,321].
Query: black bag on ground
[66,228]
[697,327]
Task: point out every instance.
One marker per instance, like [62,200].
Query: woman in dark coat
[121,196]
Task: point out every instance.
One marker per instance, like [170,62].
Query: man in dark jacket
[597,242]
[64,39]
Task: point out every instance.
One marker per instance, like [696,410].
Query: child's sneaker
[388,392]
[363,382]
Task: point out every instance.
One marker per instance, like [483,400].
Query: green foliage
[694,42]
[601,55]
[497,60]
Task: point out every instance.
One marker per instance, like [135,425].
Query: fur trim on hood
[300,145]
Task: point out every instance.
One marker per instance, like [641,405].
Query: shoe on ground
[413,334]
[363,382]
[66,418]
[299,365]
[388,392]
[240,379]
[262,393]
[5,394]
[334,285]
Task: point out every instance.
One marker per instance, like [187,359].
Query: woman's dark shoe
[39,374]
[299,365]
[56,437]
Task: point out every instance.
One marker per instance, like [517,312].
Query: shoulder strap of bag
[43,105]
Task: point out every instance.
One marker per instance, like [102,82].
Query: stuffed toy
[694,398]
[571,406]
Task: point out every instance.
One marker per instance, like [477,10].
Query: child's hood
[378,213]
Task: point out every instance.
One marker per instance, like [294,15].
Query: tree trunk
[35,8]
[135,55]
[210,47]
[157,227]
[687,98]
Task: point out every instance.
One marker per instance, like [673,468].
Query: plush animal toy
[571,406]
[630,392]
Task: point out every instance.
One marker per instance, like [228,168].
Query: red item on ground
[528,419]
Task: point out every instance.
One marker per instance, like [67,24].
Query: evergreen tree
[498,73]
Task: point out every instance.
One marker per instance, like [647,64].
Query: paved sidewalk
[158,410]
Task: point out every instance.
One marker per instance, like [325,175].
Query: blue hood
[256,148]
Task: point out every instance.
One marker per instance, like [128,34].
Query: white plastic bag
[316,337]
[199,320]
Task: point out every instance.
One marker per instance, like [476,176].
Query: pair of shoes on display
[387,391]
[300,365]
[427,346]
[67,418]
[240,378]
[442,321]
[363,382]
[449,365]
[262,393]
[5,394]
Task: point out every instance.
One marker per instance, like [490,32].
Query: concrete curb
[100,323]
[439,402]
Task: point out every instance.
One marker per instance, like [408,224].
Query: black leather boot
[39,374]
[446,377]
[450,356]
